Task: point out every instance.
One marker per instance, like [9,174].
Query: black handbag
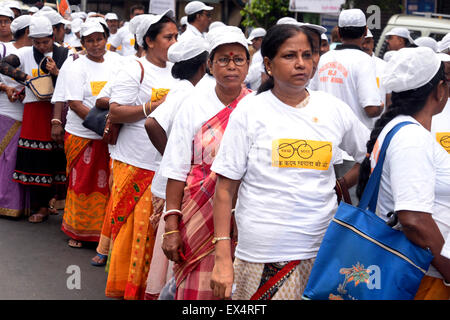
[96,120]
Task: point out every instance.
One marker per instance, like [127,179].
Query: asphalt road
[37,264]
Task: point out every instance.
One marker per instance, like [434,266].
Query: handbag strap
[370,195]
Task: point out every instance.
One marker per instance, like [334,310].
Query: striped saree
[197,226]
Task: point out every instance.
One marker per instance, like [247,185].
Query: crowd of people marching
[217,156]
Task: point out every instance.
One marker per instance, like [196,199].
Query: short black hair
[20,33]
[185,70]
[136,7]
[191,18]
[351,32]
[155,29]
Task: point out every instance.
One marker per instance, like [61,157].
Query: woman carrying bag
[40,162]
[135,158]
[87,155]
[416,171]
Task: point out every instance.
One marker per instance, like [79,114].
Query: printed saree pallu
[197,225]
[12,195]
[132,234]
[88,189]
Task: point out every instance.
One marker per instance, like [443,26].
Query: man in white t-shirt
[112,20]
[124,38]
[368,46]
[198,18]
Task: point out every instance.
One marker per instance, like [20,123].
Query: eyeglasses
[224,61]
[207,14]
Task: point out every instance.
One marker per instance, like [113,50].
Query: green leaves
[264,13]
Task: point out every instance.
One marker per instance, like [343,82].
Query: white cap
[33,9]
[444,57]
[323,36]
[444,44]
[7,12]
[13,5]
[54,17]
[400,32]
[186,49]
[40,27]
[47,9]
[134,23]
[146,23]
[226,35]
[76,25]
[90,27]
[352,18]
[316,27]
[20,23]
[287,20]
[410,68]
[369,34]
[183,21]
[216,24]
[97,19]
[427,42]
[256,33]
[196,6]
[91,14]
[111,16]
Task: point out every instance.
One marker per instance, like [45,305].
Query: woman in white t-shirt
[40,164]
[277,155]
[12,196]
[189,59]
[195,136]
[87,155]
[415,182]
[142,87]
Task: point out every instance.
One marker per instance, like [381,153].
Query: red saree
[197,226]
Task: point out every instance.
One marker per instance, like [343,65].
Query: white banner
[159,6]
[317,6]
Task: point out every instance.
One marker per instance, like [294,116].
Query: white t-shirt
[440,127]
[350,75]
[13,110]
[125,39]
[30,67]
[198,108]
[206,83]
[380,65]
[59,95]
[90,78]
[110,40]
[416,175]
[72,40]
[283,157]
[190,32]
[254,72]
[165,115]
[133,145]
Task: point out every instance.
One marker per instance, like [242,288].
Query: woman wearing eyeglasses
[277,155]
[191,148]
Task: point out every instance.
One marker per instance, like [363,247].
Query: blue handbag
[361,257]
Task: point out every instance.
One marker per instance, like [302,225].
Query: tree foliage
[264,13]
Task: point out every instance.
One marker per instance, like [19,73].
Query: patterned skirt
[271,281]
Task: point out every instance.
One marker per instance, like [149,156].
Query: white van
[432,25]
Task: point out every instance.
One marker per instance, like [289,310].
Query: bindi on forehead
[231,54]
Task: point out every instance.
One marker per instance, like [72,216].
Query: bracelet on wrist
[55,121]
[167,233]
[219,239]
[171,212]
[446,283]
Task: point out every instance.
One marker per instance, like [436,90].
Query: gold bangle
[167,233]
[219,239]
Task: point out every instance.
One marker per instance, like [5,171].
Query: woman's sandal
[75,243]
[51,207]
[101,261]
[37,218]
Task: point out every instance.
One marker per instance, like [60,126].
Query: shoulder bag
[42,85]
[361,257]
